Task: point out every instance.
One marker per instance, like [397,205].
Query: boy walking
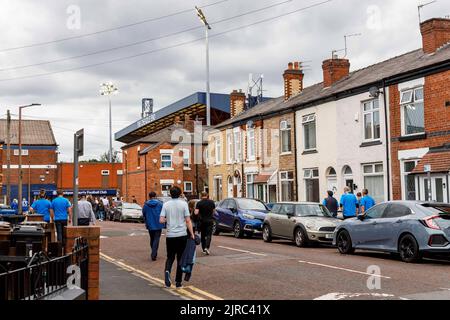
[151,212]
[175,213]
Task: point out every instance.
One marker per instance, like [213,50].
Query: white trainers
[207,252]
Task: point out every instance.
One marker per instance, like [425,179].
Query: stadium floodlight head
[202,17]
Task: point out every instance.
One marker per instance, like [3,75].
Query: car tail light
[431,223]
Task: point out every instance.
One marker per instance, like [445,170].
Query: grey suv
[301,222]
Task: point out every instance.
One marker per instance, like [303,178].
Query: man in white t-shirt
[175,213]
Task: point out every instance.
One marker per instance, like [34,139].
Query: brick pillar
[92,235]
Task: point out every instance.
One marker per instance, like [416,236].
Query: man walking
[205,209]
[86,215]
[43,206]
[62,210]
[331,203]
[348,204]
[152,212]
[175,213]
[366,202]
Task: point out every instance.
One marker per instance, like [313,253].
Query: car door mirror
[290,214]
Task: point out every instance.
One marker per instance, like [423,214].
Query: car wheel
[267,233]
[300,237]
[120,218]
[409,249]
[237,230]
[215,229]
[344,242]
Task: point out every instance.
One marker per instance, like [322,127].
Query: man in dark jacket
[151,211]
[205,210]
[331,203]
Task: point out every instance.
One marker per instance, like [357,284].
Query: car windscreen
[312,210]
[131,206]
[250,204]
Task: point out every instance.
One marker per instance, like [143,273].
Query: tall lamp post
[208,94]
[20,153]
[107,89]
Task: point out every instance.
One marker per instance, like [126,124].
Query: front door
[437,191]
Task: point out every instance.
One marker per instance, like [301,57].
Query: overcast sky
[71,100]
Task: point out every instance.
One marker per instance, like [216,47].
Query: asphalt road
[252,269]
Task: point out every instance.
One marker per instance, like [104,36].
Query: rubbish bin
[30,235]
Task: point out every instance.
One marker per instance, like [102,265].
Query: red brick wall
[334,70]
[35,157]
[435,33]
[90,176]
[134,180]
[437,119]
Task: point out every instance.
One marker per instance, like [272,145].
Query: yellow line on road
[182,292]
[243,251]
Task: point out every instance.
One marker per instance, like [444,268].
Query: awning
[262,178]
[438,162]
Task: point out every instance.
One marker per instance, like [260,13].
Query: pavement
[252,269]
[118,283]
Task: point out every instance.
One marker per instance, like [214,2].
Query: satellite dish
[250,124]
[374,92]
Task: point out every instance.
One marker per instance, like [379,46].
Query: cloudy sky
[71,99]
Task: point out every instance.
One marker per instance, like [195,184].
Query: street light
[208,95]
[107,89]
[20,152]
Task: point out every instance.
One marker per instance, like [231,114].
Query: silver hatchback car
[301,222]
[408,228]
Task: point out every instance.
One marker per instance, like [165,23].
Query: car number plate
[329,236]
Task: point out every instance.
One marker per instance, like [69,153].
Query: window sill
[187,169]
[412,137]
[166,169]
[370,143]
[286,153]
[310,152]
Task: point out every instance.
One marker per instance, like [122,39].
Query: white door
[438,189]
[332,184]
[230,187]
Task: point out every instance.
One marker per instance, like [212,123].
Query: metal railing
[44,276]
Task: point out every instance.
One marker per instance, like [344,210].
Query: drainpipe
[388,171]
[145,176]
[295,158]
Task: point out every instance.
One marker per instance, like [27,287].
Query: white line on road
[342,296]
[243,251]
[344,269]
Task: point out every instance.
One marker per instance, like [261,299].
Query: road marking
[183,292]
[244,251]
[209,295]
[341,296]
[344,269]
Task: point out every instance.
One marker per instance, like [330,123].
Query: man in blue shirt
[61,214]
[348,204]
[152,212]
[367,201]
[42,206]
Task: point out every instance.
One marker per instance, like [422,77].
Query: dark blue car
[242,216]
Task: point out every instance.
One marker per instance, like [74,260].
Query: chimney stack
[435,34]
[189,124]
[293,80]
[237,103]
[334,70]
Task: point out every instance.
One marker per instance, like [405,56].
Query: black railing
[43,276]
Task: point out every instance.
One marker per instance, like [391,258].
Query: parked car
[270,205]
[109,215]
[240,215]
[303,223]
[128,211]
[408,228]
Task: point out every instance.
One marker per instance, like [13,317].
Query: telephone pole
[8,158]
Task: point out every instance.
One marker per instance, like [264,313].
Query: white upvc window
[251,147]
[250,187]
[218,150]
[166,160]
[186,158]
[410,186]
[374,180]
[237,146]
[285,133]
[287,185]
[371,120]
[229,147]
[309,132]
[187,186]
[412,111]
[311,179]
